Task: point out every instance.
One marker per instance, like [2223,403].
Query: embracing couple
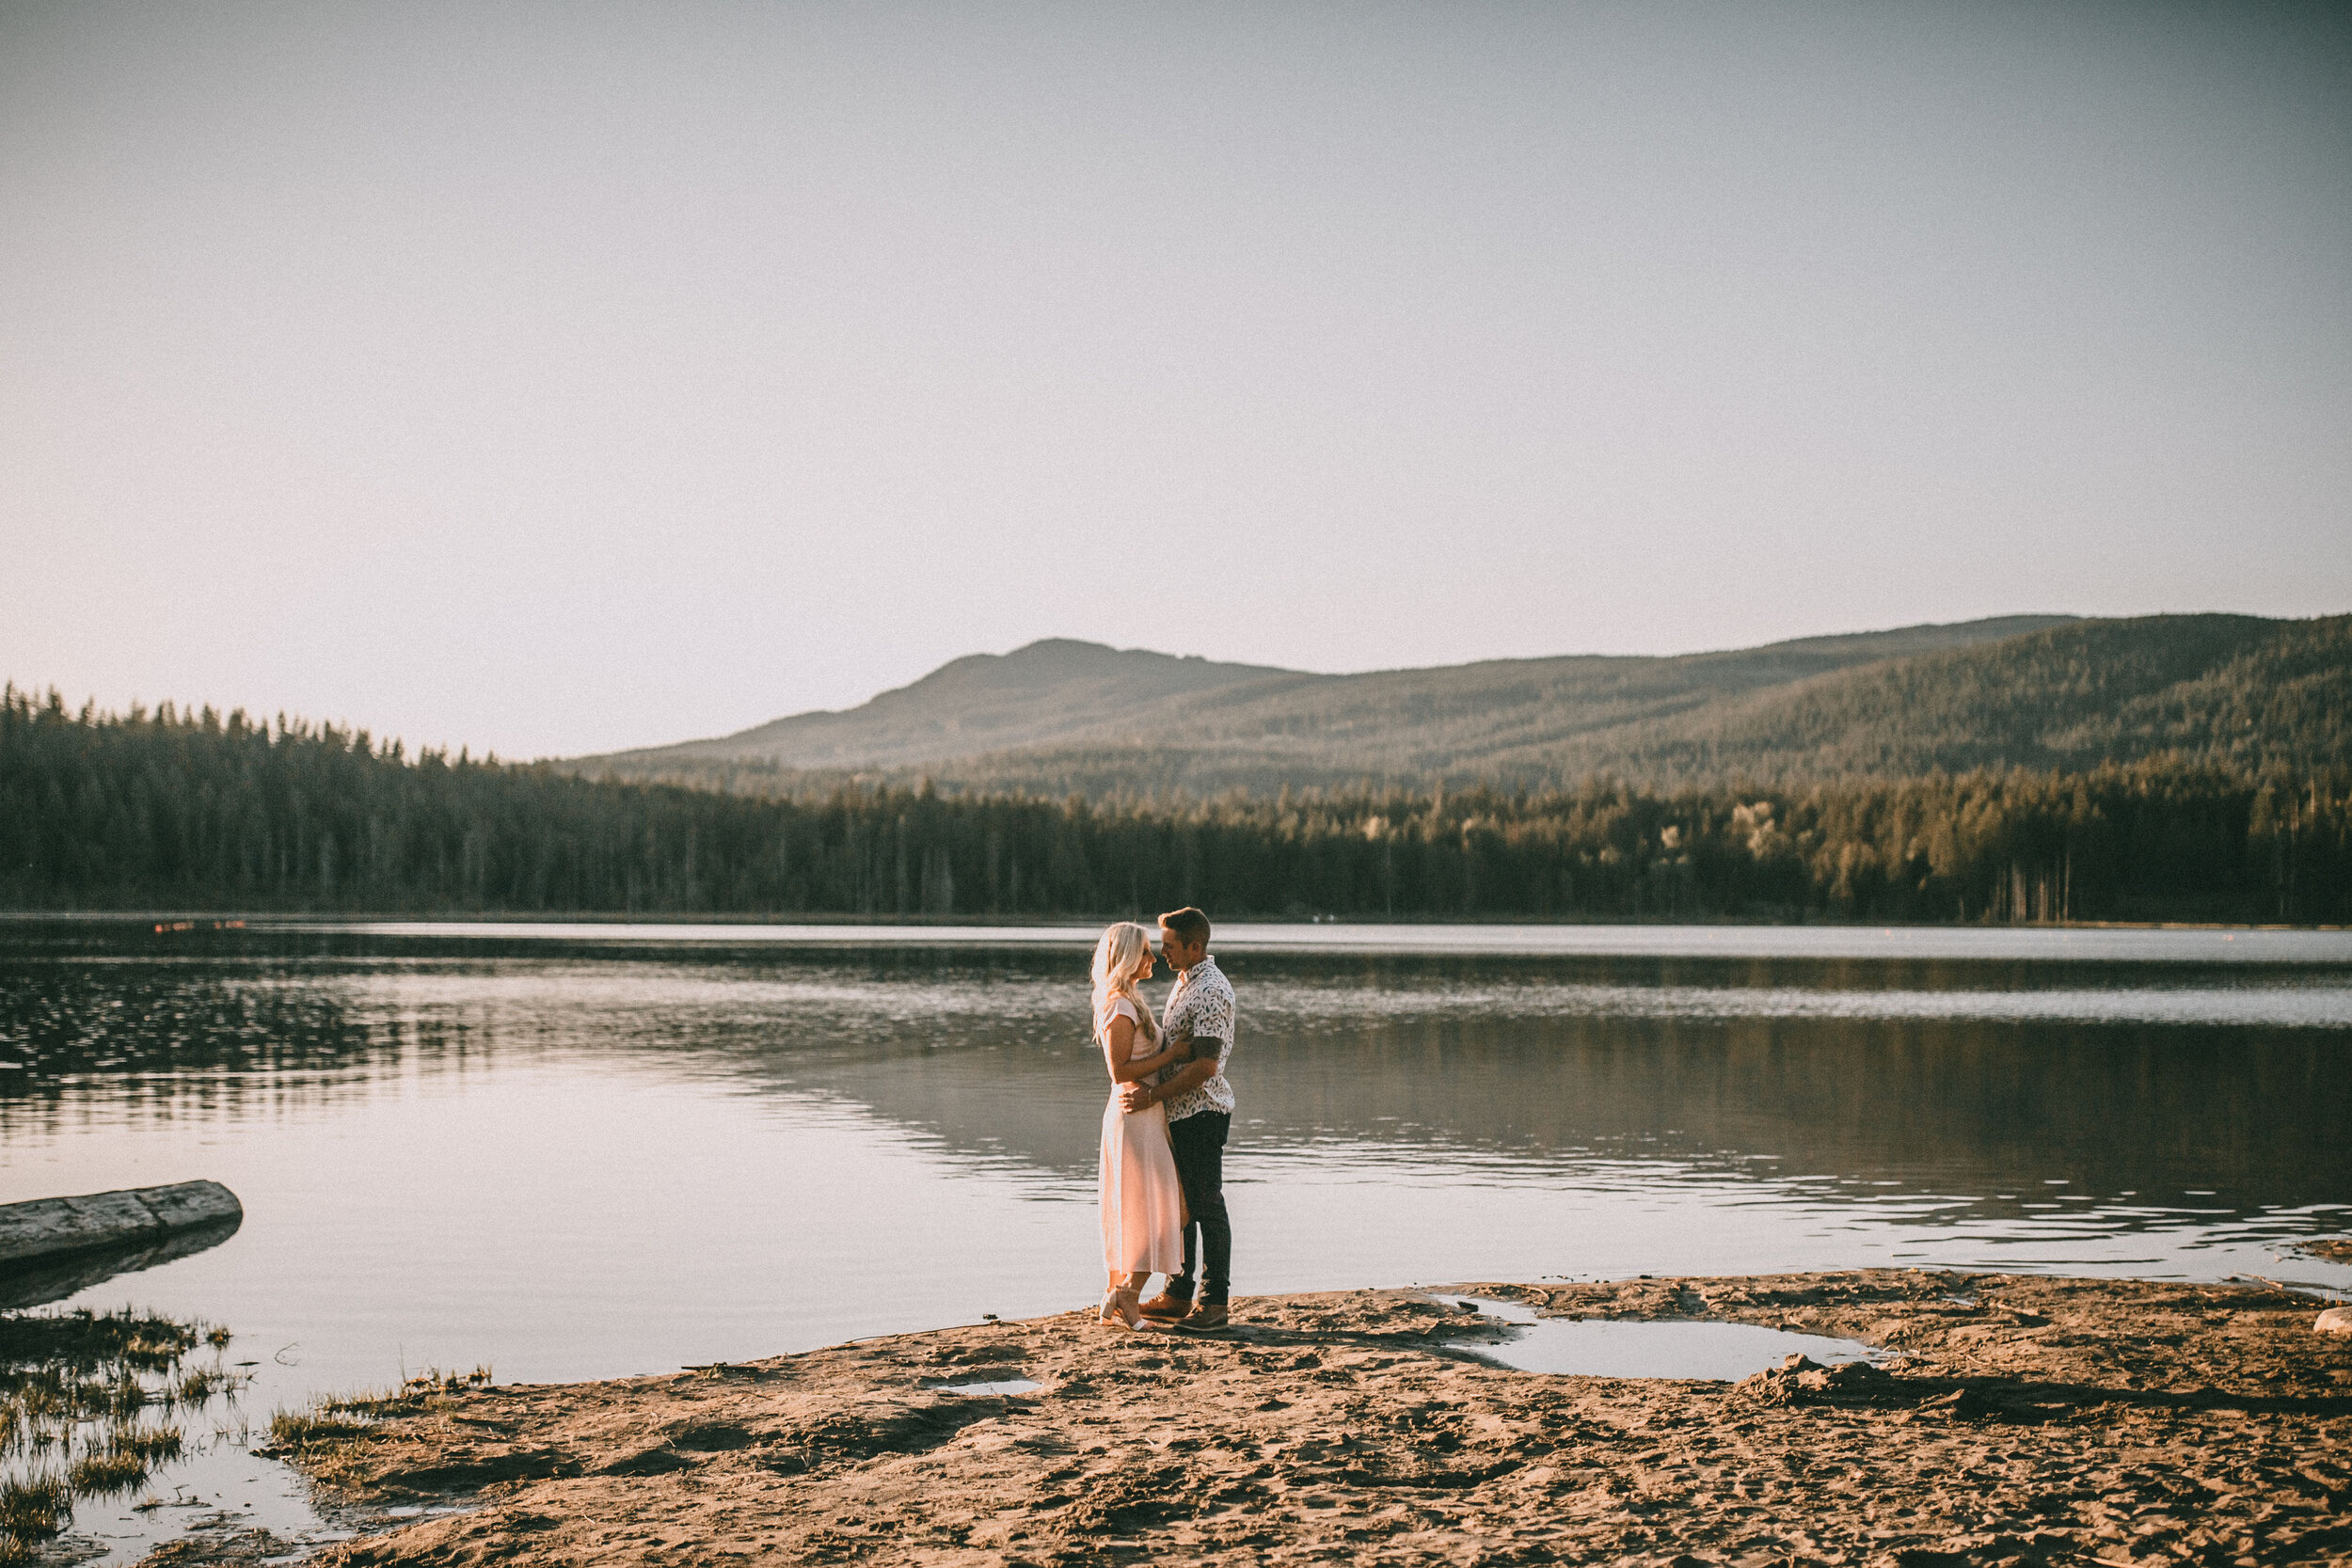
[1164,1129]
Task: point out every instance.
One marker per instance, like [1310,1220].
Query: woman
[1142,1203]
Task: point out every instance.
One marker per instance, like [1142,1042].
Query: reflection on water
[577,1158]
[1005,1389]
[1606,1347]
[55,1277]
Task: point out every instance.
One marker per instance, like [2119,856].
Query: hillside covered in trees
[197,811]
[2039,692]
[1059,713]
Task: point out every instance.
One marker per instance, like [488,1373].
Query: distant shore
[2023,1419]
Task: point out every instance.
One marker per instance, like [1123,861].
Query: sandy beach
[2019,1419]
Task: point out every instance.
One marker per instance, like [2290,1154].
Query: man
[1200,1113]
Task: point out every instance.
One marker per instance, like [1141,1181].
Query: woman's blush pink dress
[1143,1204]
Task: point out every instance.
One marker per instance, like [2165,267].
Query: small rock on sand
[2336,1320]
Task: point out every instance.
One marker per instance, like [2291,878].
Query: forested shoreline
[198,811]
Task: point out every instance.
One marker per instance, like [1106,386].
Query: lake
[584,1152]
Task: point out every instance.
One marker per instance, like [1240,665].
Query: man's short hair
[1188,926]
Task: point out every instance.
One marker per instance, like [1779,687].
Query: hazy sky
[554,378]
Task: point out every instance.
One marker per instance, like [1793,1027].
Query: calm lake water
[580,1153]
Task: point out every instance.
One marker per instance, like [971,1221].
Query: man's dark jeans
[1199,1143]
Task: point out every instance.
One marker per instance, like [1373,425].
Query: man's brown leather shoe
[1206,1315]
[1167,1308]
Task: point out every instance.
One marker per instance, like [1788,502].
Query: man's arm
[1142,1097]
[1213,1015]
[1206,1020]
[1184,1080]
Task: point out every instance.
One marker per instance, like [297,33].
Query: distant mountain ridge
[1048,690]
[2045,691]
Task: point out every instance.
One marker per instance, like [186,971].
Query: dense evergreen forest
[195,811]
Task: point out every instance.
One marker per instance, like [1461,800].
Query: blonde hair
[1117,956]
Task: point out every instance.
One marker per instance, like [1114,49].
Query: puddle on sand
[223,1489]
[1623,1347]
[242,1499]
[220,1484]
[1010,1385]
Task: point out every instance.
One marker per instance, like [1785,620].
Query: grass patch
[433,1382]
[199,1386]
[155,1445]
[426,1390]
[303,1432]
[129,1455]
[36,1507]
[73,1386]
[326,1437]
[84,1340]
[99,1475]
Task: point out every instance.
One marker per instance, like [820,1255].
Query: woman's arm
[1116,1041]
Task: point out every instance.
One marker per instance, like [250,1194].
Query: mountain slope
[985,701]
[1473,720]
[2232,689]
[2035,691]
[1059,697]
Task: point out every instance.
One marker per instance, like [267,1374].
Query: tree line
[194,810]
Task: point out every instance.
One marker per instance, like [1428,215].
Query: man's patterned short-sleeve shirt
[1201,1007]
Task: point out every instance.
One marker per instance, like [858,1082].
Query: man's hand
[1135,1097]
[1181,1047]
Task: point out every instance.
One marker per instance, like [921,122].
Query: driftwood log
[32,1233]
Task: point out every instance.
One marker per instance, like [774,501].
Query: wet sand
[2021,1419]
